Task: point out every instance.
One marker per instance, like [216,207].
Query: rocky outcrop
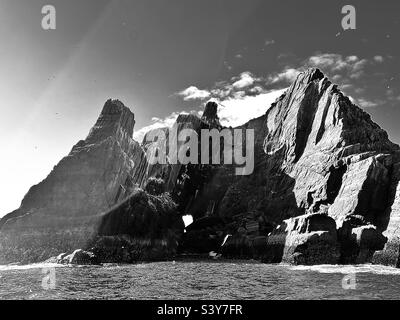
[88,180]
[185,182]
[324,189]
[315,152]
[60,213]
[307,239]
[359,241]
[390,223]
[146,226]
[210,115]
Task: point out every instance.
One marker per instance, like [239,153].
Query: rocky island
[324,190]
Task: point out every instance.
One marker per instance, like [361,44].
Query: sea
[199,280]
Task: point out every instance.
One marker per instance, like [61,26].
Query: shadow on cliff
[240,211]
[144,227]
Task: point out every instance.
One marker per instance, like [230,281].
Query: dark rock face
[60,213]
[204,235]
[315,152]
[307,239]
[210,115]
[359,240]
[325,189]
[390,222]
[184,182]
[88,180]
[135,215]
[146,226]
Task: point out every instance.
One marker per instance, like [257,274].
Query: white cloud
[269,42]
[237,111]
[246,79]
[334,63]
[246,96]
[233,111]
[240,99]
[222,92]
[359,90]
[364,103]
[238,56]
[287,75]
[346,86]
[331,61]
[378,59]
[193,93]
[257,90]
[391,95]
[157,123]
[337,78]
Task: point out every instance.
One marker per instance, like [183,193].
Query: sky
[163,57]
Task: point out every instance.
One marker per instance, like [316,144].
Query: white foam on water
[30,266]
[346,269]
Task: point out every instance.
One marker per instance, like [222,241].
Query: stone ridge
[115,117]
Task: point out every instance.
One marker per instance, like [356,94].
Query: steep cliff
[315,152]
[146,226]
[60,213]
[324,189]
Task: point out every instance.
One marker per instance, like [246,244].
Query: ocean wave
[41,265]
[323,268]
[346,269]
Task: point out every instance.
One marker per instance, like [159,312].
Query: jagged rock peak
[323,115]
[114,117]
[210,115]
[311,74]
[210,111]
